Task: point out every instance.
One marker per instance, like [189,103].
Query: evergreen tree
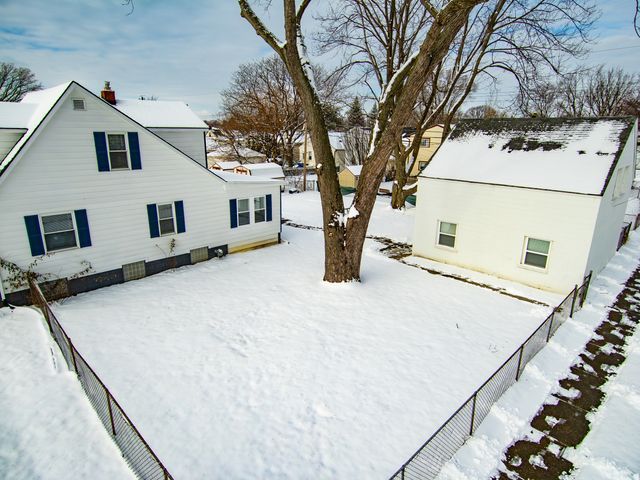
[355,116]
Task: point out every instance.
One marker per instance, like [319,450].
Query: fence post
[519,362]
[552,316]
[573,302]
[73,356]
[473,412]
[113,426]
[586,288]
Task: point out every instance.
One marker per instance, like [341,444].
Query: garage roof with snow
[575,155]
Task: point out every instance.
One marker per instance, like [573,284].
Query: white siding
[189,141]
[493,222]
[59,173]
[612,210]
[8,138]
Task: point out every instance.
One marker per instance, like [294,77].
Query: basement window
[536,252]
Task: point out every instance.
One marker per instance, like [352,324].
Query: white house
[84,186]
[538,201]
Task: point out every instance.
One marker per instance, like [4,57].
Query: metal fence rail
[135,450]
[427,462]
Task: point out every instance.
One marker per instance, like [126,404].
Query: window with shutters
[166,219]
[59,232]
[536,252]
[244,213]
[259,209]
[118,155]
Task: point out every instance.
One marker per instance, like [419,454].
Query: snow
[252,367]
[271,170]
[160,114]
[15,114]
[588,147]
[610,450]
[48,429]
[239,178]
[355,169]
[304,208]
[509,418]
[41,102]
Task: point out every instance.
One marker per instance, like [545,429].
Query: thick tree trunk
[345,231]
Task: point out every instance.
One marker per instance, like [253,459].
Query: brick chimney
[107,94]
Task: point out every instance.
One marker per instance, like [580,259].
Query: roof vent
[107,94]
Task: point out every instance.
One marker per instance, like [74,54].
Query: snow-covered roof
[160,114]
[570,155]
[355,169]
[36,106]
[230,165]
[335,139]
[239,178]
[15,114]
[269,170]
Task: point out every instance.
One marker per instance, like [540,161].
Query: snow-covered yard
[48,429]
[252,367]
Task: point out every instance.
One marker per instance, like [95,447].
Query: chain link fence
[135,450]
[427,462]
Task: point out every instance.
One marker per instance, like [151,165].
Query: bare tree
[16,82]
[262,105]
[345,229]
[482,111]
[521,37]
[356,145]
[597,92]
[608,90]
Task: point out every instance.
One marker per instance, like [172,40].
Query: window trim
[525,250]
[84,104]
[439,232]
[264,208]
[249,211]
[173,217]
[127,151]
[75,231]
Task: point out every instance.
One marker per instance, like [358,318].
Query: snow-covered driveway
[252,367]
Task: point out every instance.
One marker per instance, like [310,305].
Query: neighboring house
[261,170]
[337,147]
[538,201]
[349,176]
[83,185]
[225,166]
[431,140]
[228,153]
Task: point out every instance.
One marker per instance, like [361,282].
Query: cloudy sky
[187,50]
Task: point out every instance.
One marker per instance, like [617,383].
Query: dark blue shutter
[179,205]
[233,210]
[32,222]
[152,212]
[83,228]
[269,208]
[134,151]
[100,140]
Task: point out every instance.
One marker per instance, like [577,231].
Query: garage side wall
[492,223]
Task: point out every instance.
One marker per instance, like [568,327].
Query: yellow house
[431,140]
[349,176]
